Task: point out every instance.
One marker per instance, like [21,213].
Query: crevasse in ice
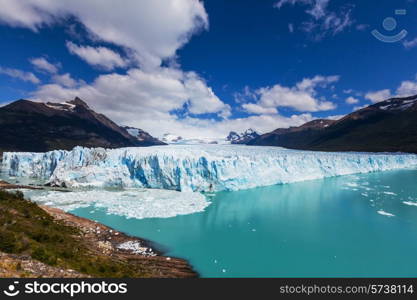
[194,167]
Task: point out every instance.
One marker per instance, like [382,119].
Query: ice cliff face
[194,168]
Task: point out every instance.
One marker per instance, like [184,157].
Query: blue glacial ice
[194,167]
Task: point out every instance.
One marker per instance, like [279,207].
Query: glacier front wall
[193,168]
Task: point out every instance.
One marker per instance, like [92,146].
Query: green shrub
[26,228]
[44,256]
[19,195]
[8,241]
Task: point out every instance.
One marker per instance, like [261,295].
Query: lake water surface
[350,226]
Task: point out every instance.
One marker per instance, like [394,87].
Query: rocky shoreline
[101,241]
[107,241]
[9,186]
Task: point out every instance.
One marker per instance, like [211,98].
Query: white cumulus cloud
[146,100]
[138,97]
[153,29]
[378,96]
[302,97]
[148,95]
[407,88]
[202,98]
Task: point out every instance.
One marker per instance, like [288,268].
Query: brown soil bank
[8,186]
[47,242]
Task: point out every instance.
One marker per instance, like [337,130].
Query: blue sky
[196,68]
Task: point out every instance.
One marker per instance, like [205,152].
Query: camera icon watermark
[11,290]
[390,24]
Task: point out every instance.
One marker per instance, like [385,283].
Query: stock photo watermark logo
[71,289]
[390,24]
[12,290]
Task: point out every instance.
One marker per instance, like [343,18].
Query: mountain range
[242,138]
[173,139]
[387,126]
[37,127]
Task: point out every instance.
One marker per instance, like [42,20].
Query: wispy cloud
[362,27]
[42,64]
[352,100]
[19,74]
[410,44]
[98,56]
[66,80]
[322,20]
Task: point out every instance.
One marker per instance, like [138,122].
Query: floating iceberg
[131,203]
[194,168]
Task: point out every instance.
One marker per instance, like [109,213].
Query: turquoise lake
[348,226]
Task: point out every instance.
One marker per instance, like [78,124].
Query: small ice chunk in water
[136,247]
[136,203]
[384,213]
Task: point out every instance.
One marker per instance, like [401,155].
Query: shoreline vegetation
[41,241]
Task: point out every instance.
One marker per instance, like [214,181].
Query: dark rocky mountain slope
[293,137]
[34,126]
[388,126]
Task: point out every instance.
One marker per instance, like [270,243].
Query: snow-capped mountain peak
[242,138]
[171,138]
[397,104]
[178,140]
[250,131]
[65,106]
[141,135]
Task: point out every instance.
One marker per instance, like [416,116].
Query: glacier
[193,168]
